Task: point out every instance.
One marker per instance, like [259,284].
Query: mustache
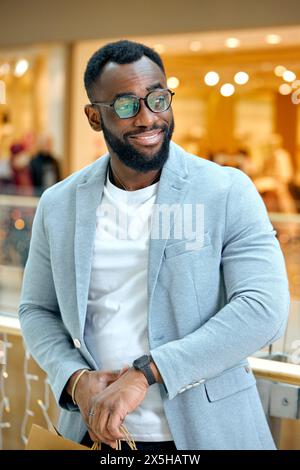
[145,129]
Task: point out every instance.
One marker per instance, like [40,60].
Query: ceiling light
[19,224]
[273,39]
[232,42]
[173,82]
[21,67]
[211,78]
[285,89]
[279,70]
[227,89]
[289,76]
[241,78]
[195,46]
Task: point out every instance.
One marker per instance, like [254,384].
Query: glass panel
[287,348]
[16,217]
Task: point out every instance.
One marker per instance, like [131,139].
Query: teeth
[146,136]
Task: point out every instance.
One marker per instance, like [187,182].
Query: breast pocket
[181,247]
[228,383]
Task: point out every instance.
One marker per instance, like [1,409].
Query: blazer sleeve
[257,292]
[42,327]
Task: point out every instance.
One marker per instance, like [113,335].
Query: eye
[159,101]
[126,106]
[124,103]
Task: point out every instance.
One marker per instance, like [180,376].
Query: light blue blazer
[209,309]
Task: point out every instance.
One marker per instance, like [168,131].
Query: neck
[128,179]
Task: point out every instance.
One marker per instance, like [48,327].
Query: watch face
[142,361]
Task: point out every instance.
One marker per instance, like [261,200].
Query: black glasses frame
[145,99]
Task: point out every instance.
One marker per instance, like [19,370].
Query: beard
[134,159]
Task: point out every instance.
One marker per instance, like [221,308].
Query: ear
[93,115]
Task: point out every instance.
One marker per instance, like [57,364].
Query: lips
[153,137]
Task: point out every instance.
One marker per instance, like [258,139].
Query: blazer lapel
[88,197]
[172,188]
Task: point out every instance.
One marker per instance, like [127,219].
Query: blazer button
[77,343]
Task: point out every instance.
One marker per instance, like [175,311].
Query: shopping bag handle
[128,438]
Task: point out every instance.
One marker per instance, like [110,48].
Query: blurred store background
[235,69]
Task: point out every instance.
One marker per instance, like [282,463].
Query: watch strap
[144,366]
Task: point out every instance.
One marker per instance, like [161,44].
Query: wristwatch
[143,364]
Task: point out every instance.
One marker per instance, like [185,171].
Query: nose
[145,117]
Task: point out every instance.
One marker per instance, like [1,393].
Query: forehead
[123,78]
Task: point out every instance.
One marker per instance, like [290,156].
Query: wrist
[156,373]
[74,381]
[139,376]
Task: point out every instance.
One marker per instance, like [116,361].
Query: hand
[110,406]
[90,384]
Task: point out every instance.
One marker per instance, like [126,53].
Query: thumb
[110,376]
[123,370]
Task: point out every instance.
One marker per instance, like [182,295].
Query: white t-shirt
[116,322]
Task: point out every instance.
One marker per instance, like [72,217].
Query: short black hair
[120,52]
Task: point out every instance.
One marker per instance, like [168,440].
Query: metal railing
[275,371]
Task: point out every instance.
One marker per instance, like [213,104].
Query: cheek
[116,126]
[167,116]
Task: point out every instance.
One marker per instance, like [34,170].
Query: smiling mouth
[148,138]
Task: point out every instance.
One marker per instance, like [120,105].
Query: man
[100,294]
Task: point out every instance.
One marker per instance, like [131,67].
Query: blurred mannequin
[239,159]
[43,166]
[277,174]
[19,161]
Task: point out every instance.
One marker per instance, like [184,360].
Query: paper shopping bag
[43,439]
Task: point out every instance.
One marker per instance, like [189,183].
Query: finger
[94,438]
[123,370]
[91,417]
[111,377]
[113,426]
[101,429]
[108,378]
[92,435]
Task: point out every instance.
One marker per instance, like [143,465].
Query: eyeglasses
[127,106]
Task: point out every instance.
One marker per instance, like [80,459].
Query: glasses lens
[159,101]
[126,106]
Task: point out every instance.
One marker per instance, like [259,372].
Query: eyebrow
[149,88]
[154,87]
